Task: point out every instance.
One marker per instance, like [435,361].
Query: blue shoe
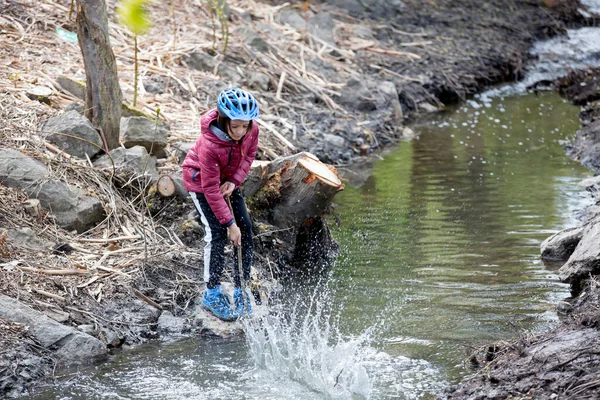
[218,303]
[239,304]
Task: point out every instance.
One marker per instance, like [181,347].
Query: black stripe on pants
[215,239]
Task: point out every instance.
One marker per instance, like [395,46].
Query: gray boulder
[356,95]
[170,324]
[252,38]
[585,259]
[291,17]
[82,137]
[129,163]
[561,245]
[75,106]
[258,81]
[69,344]
[182,148]
[202,61]
[230,74]
[87,213]
[141,131]
[26,237]
[72,210]
[322,26]
[334,140]
[74,86]
[19,170]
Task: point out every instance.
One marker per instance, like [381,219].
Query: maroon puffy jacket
[212,161]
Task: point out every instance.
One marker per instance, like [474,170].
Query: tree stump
[292,194]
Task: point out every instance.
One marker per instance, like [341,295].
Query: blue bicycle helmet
[237,104]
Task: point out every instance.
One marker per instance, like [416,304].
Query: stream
[439,253]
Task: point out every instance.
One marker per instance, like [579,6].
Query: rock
[57,315]
[111,338]
[357,96]
[26,237]
[408,133]
[75,106]
[71,209]
[170,324]
[76,126]
[202,61]
[585,257]
[384,9]
[154,87]
[322,26]
[352,7]
[141,131]
[39,93]
[564,307]
[18,170]
[561,245]
[335,140]
[428,108]
[246,16]
[88,212]
[71,85]
[591,181]
[291,17]
[252,38]
[69,344]
[323,68]
[129,163]
[87,329]
[230,74]
[258,81]
[363,32]
[182,148]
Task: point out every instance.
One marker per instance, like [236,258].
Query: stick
[48,294]
[116,239]
[240,266]
[54,271]
[147,299]
[278,135]
[280,85]
[393,52]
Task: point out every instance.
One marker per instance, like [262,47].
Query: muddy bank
[563,363]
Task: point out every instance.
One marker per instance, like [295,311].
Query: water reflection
[443,238]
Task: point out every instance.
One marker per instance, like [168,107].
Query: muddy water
[440,252]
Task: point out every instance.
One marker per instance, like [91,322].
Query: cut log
[169,186]
[165,186]
[289,192]
[40,93]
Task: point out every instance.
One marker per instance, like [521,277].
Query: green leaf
[134,15]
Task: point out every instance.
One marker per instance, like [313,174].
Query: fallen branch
[55,271]
[48,294]
[147,299]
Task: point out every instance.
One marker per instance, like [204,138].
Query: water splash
[303,344]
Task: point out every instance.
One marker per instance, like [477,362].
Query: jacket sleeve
[242,172]
[211,181]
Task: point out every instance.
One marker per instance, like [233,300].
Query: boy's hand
[235,235]
[227,188]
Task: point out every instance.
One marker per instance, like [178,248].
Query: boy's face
[237,128]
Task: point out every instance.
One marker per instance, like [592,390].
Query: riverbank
[350,83]
[563,363]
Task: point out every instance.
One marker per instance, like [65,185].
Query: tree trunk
[103,94]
